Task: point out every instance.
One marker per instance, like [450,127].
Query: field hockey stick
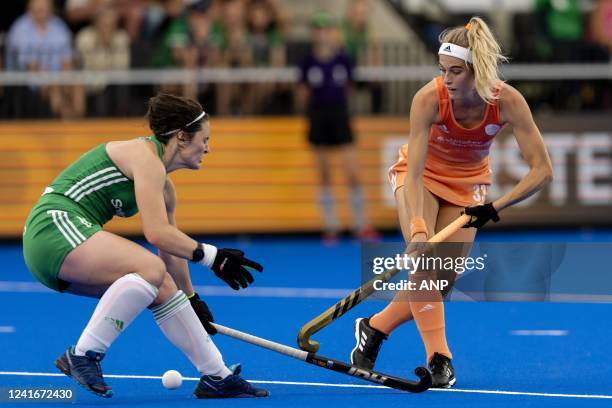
[352,300]
[320,361]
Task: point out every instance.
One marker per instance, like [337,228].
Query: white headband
[200,116]
[456,51]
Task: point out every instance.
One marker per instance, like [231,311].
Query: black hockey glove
[481,214]
[231,266]
[201,309]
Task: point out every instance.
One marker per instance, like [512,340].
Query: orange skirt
[460,184]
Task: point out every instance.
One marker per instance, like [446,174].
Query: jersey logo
[118,204]
[85,222]
[426,308]
[443,128]
[47,190]
[492,129]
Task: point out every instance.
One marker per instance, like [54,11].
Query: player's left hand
[203,312]
[481,214]
[231,266]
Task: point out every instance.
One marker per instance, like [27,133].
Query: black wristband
[198,253]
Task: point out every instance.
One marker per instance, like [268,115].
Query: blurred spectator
[169,35]
[362,47]
[40,41]
[325,79]
[601,33]
[199,21]
[358,41]
[267,47]
[81,13]
[103,46]
[601,24]
[195,52]
[229,35]
[230,48]
[265,35]
[2,100]
[563,41]
[563,22]
[167,30]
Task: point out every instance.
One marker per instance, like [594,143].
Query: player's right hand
[481,214]
[230,265]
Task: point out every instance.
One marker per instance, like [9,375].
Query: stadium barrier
[260,175]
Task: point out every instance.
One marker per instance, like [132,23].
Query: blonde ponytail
[485,51]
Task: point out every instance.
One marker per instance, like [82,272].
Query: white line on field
[317,384]
[539,333]
[209,290]
[312,293]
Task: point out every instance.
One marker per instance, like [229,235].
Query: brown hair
[486,54]
[168,113]
[275,22]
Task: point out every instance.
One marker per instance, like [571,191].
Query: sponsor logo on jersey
[492,129]
[443,128]
[118,204]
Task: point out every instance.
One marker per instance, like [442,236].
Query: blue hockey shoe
[85,370]
[232,386]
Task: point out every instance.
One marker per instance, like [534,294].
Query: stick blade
[425,381]
[425,378]
[306,343]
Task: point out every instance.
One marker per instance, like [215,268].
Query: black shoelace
[99,371]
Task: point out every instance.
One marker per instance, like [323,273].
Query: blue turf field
[494,368]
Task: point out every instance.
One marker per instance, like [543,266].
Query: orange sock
[392,316]
[429,318]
